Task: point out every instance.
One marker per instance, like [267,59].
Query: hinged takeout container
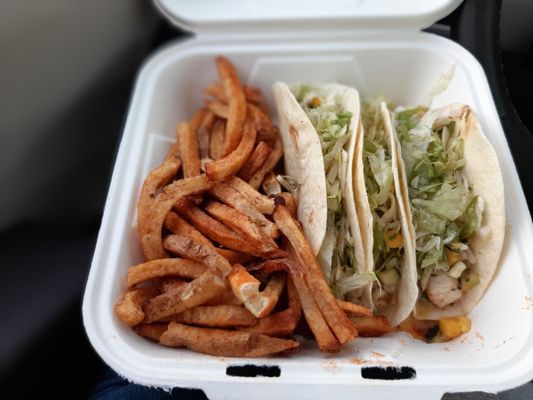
[378,48]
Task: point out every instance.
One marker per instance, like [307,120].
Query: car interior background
[67,70]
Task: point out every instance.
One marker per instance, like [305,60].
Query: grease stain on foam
[375,354]
[331,366]
[504,342]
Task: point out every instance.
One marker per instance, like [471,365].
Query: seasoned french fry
[202,134]
[271,185]
[334,316]
[257,158]
[263,203]
[221,316]
[234,198]
[354,310]
[225,298]
[215,230]
[221,110]
[241,224]
[246,288]
[175,224]
[129,307]
[224,343]
[324,336]
[265,129]
[177,300]
[281,323]
[217,92]
[233,162]
[193,250]
[177,267]
[158,178]
[290,203]
[372,326]
[151,239]
[255,96]
[268,165]
[151,331]
[188,150]
[168,283]
[237,104]
[216,141]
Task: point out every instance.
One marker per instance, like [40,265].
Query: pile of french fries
[227,269]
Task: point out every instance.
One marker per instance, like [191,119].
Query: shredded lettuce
[337,254]
[377,167]
[445,210]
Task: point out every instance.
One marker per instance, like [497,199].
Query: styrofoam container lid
[223,17]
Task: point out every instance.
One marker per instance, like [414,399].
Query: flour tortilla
[407,291]
[484,175]
[304,162]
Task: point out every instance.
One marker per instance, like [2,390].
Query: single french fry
[215,230]
[151,331]
[224,343]
[324,336]
[263,123]
[221,110]
[176,267]
[224,298]
[129,307]
[354,310]
[333,314]
[220,316]
[158,178]
[237,104]
[188,150]
[241,224]
[231,163]
[216,92]
[257,158]
[263,203]
[246,288]
[168,283]
[268,165]
[151,238]
[281,323]
[175,224]
[372,326]
[202,134]
[236,199]
[255,96]
[193,250]
[216,141]
[177,300]
[252,94]
[290,203]
[271,185]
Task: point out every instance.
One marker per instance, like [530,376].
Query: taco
[381,209]
[456,197]
[318,126]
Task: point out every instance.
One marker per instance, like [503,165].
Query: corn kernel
[393,240]
[454,327]
[315,102]
[453,257]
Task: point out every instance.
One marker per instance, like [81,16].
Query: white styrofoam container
[396,60]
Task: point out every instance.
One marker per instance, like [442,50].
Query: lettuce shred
[331,122]
[445,210]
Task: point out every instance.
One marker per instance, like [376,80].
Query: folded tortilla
[456,197]
[381,208]
[318,125]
